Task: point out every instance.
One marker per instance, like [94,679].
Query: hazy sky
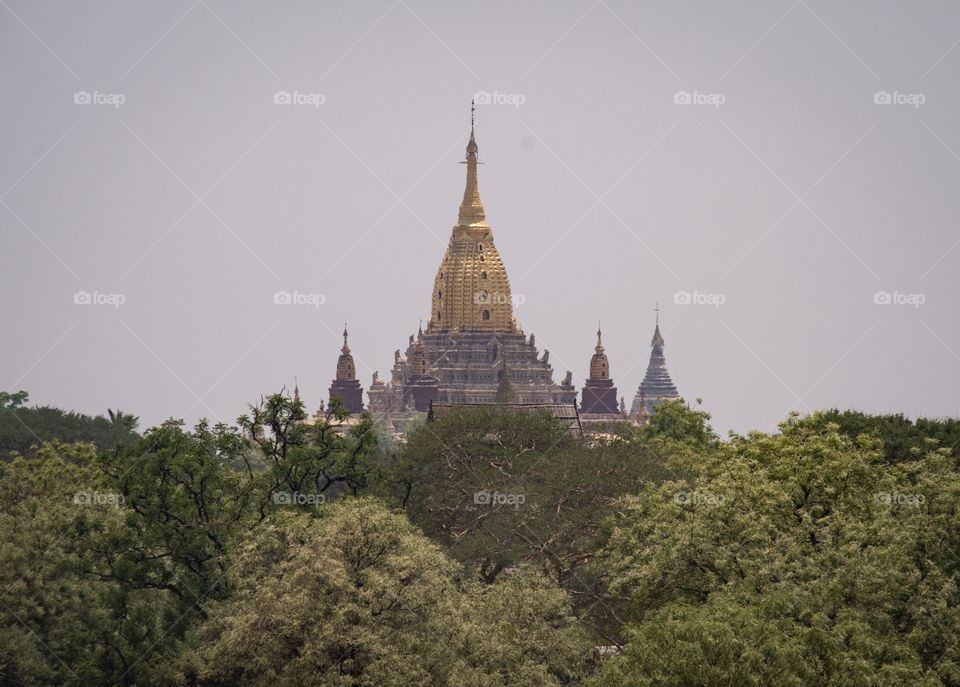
[813,172]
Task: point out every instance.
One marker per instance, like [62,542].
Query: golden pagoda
[472,346]
[471,289]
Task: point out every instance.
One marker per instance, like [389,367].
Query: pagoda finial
[657,336]
[471,209]
[346,348]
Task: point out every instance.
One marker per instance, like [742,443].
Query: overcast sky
[780,176]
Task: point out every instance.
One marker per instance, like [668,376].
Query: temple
[346,387]
[472,350]
[598,399]
[656,385]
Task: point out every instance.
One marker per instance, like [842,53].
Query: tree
[123,420]
[23,429]
[500,489]
[673,419]
[903,439]
[356,596]
[14,400]
[799,558]
[71,609]
[320,459]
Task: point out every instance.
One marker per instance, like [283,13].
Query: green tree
[498,489]
[23,429]
[903,439]
[323,458]
[799,558]
[71,612]
[357,596]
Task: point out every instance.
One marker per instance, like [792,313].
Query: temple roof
[346,369]
[471,290]
[599,365]
[656,383]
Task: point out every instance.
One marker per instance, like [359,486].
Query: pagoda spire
[657,339]
[657,384]
[599,365]
[472,213]
[345,385]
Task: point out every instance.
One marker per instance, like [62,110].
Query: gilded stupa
[598,398]
[346,387]
[472,348]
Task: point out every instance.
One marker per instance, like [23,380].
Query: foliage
[71,609]
[903,439]
[498,489]
[825,554]
[672,419]
[797,559]
[23,429]
[358,597]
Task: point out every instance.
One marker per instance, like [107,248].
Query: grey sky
[796,200]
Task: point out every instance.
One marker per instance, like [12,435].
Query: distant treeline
[24,428]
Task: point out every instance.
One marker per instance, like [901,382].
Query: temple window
[483,275]
[486,314]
